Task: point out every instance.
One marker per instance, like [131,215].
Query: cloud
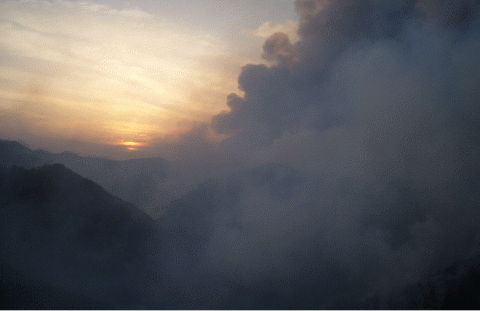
[269,28]
[377,113]
[279,49]
[132,12]
[342,41]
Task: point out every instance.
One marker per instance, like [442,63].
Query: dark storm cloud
[377,106]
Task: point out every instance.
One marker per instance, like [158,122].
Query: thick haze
[346,166]
[376,107]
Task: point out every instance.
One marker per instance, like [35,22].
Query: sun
[131,145]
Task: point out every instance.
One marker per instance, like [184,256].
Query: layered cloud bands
[88,72]
[377,104]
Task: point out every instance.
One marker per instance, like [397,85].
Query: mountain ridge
[60,228]
[143,182]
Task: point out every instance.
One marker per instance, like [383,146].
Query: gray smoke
[376,109]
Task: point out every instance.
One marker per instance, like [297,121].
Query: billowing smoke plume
[377,108]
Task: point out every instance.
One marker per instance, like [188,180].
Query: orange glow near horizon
[131,145]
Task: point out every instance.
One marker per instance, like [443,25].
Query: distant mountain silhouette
[250,240]
[145,183]
[14,153]
[66,231]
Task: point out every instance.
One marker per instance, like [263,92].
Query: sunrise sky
[111,78]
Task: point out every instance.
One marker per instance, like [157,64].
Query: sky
[109,78]
[223,85]
[355,121]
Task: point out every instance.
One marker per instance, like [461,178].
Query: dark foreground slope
[456,287]
[66,243]
[18,291]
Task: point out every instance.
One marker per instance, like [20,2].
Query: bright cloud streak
[267,29]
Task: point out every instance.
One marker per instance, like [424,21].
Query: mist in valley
[349,178]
